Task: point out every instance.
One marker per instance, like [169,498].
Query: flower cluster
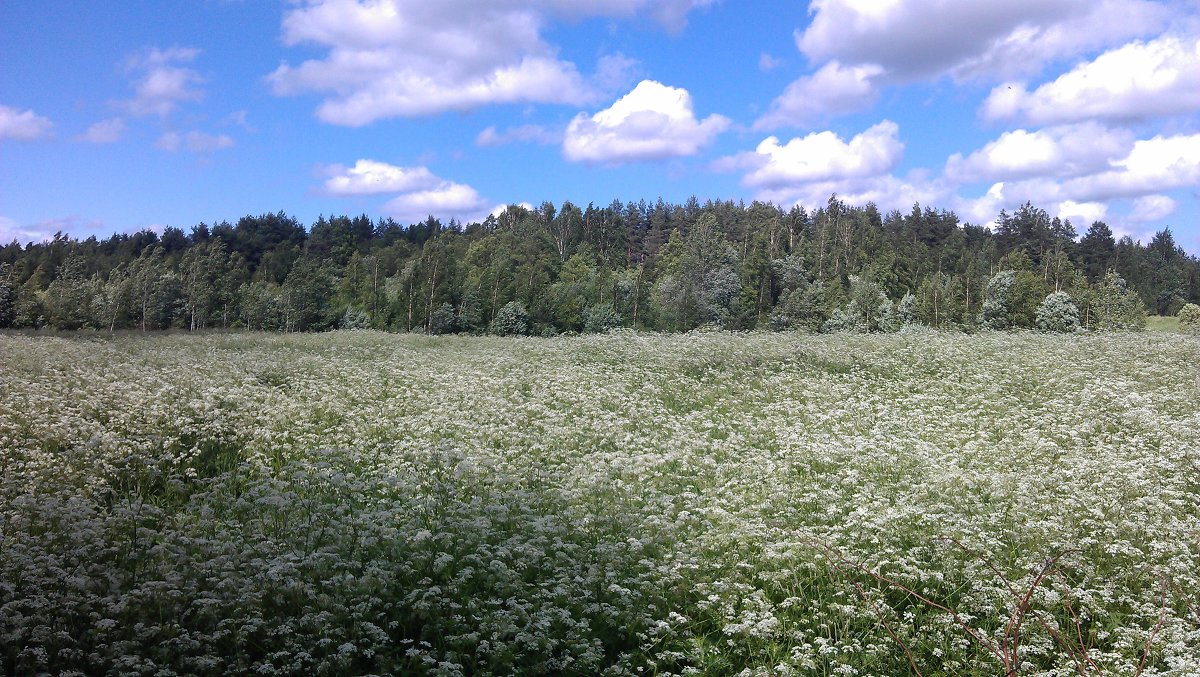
[704,503]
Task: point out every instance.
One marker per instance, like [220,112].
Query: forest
[654,266]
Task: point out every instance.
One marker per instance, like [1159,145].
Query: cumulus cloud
[970,39]
[1152,166]
[887,192]
[196,142]
[1137,81]
[1070,150]
[1008,195]
[652,122]
[1082,212]
[390,58]
[368,177]
[447,200]
[1151,208]
[161,82]
[860,46]
[807,170]
[23,125]
[820,156]
[834,89]
[105,131]
[1077,172]
[491,137]
[421,193]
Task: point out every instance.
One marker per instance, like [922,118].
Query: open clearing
[705,503]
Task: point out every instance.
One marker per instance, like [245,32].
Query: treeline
[547,270]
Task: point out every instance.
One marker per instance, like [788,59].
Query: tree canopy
[646,265]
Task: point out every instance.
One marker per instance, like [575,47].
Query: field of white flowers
[708,503]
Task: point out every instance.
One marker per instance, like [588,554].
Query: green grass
[1163,324]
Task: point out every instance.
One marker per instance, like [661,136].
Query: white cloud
[162,84]
[419,192]
[390,58]
[105,131]
[500,209]
[832,90]
[491,137]
[927,38]
[1152,166]
[1151,208]
[447,200]
[23,125]
[982,209]
[1136,81]
[820,156]
[887,192]
[1077,172]
[1082,212]
[651,122]
[368,177]
[807,170]
[1064,151]
[194,141]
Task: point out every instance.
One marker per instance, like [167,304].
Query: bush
[1117,306]
[1058,313]
[512,319]
[996,312]
[442,320]
[1189,318]
[600,318]
[354,319]
[906,310]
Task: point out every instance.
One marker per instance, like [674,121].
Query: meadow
[709,503]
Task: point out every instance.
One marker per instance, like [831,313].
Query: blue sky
[119,116]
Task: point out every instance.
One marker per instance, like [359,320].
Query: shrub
[997,311]
[600,318]
[906,310]
[1189,318]
[511,319]
[1117,306]
[354,319]
[442,320]
[1058,313]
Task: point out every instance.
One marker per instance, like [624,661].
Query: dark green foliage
[442,320]
[1116,306]
[306,294]
[600,318]
[656,266]
[511,320]
[69,297]
[800,304]
[354,319]
[8,298]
